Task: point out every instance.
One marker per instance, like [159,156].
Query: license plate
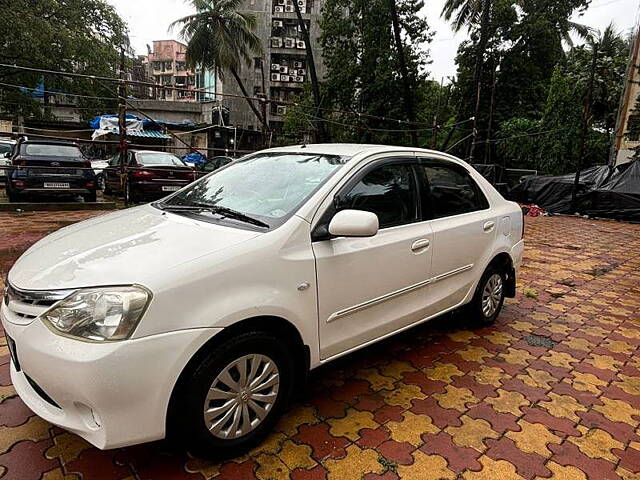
[170,188]
[12,351]
[56,185]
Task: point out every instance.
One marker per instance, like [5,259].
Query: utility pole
[434,138]
[586,114]
[122,122]
[487,147]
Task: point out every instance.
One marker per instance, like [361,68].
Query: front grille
[23,306]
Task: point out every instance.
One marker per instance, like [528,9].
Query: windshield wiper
[224,211]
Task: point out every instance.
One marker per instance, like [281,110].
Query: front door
[371,287]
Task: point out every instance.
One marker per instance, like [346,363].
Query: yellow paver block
[586,382]
[560,359]
[534,438]
[508,402]
[402,395]
[474,354]
[618,346]
[34,429]
[67,447]
[493,470]
[377,381]
[537,378]
[296,456]
[426,467]
[355,465]
[631,385]
[411,428]
[396,369]
[595,331]
[271,444]
[271,467]
[58,474]
[563,406]
[618,411]
[295,417]
[463,336]
[596,443]
[489,375]
[523,326]
[516,356]
[472,433]
[350,425]
[456,398]
[626,474]
[206,468]
[7,391]
[558,472]
[558,328]
[629,332]
[443,372]
[604,362]
[500,338]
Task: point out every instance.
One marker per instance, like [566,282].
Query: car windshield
[50,150]
[153,158]
[268,186]
[5,147]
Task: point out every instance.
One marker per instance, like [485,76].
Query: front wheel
[489,297]
[230,401]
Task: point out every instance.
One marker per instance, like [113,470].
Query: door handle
[421,244]
[487,227]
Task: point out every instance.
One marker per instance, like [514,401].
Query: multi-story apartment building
[627,140]
[166,65]
[281,72]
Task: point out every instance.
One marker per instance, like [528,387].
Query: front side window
[266,186]
[50,150]
[389,191]
[453,191]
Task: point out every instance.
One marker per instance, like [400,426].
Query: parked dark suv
[47,167]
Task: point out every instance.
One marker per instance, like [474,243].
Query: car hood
[137,245]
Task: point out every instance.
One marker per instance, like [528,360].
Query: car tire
[203,387]
[13,196]
[489,297]
[90,197]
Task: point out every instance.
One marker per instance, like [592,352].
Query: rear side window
[389,191]
[52,150]
[453,191]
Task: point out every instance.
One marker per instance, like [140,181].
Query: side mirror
[354,223]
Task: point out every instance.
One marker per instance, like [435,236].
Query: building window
[257,62]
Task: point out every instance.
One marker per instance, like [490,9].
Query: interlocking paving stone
[551,391]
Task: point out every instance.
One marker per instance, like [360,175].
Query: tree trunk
[406,83]
[477,75]
[255,110]
[321,135]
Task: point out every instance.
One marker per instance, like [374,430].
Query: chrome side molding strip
[402,291]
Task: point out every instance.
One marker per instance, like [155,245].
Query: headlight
[99,314]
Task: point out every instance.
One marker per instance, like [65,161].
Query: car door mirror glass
[354,223]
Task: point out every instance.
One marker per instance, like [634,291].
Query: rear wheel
[13,195]
[230,401]
[489,297]
[91,197]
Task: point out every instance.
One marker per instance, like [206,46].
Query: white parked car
[198,316]
[6,147]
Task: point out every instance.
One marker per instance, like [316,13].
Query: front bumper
[113,394]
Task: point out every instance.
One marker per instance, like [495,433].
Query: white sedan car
[198,316]
[6,146]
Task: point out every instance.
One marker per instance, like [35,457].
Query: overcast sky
[149,20]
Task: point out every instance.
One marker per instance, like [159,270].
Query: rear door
[370,287]
[112,173]
[464,231]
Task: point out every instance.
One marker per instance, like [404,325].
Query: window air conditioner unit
[285,78]
[289,9]
[275,77]
[278,23]
[276,42]
[302,71]
[275,67]
[302,3]
[281,110]
[278,9]
[298,65]
[284,69]
[281,2]
[299,78]
[300,44]
[289,43]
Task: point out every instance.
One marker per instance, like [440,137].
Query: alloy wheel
[241,396]
[492,295]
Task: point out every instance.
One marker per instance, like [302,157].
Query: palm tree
[219,37]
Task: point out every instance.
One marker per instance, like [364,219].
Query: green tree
[219,37]
[81,36]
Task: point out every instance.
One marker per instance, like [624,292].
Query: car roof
[348,149]
[152,151]
[50,142]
